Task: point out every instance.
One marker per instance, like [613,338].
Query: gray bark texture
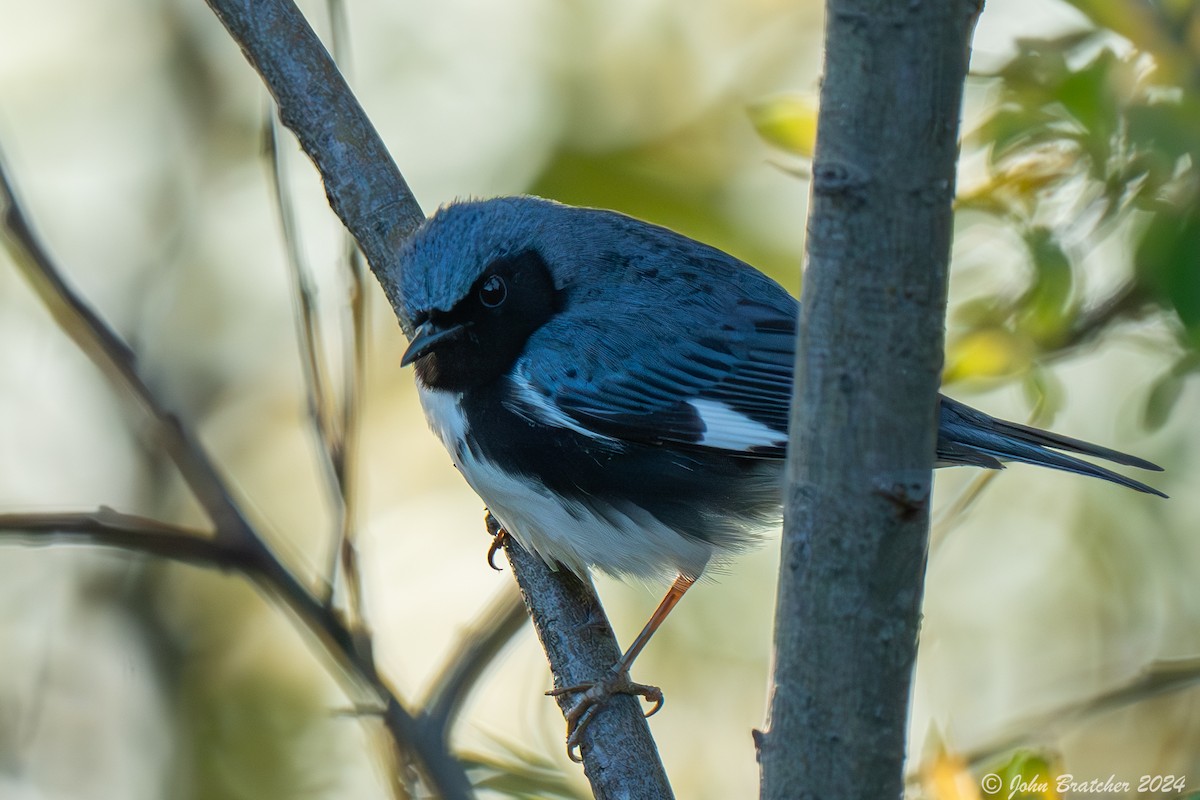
[368,193]
[863,426]
[620,758]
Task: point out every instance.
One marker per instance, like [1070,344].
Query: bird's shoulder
[689,348]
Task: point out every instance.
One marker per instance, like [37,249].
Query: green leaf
[1029,775]
[1165,392]
[1086,94]
[1047,308]
[1170,129]
[1168,262]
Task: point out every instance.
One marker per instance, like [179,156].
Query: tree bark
[620,758]
[366,190]
[863,427]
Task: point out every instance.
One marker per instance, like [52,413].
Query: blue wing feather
[731,385]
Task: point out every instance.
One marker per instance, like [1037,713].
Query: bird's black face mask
[478,339]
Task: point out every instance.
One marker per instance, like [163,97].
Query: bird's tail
[967,436]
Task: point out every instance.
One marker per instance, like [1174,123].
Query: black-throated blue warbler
[618,394]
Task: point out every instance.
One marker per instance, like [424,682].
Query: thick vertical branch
[864,422]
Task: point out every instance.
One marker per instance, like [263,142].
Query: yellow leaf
[788,122]
[986,353]
[947,778]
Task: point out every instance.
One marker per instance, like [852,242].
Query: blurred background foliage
[135,132]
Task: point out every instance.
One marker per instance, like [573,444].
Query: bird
[618,395]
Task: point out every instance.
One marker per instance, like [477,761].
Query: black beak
[427,336]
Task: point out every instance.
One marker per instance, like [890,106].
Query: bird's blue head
[476,282]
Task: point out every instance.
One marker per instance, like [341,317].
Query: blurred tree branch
[477,647]
[367,192]
[867,374]
[234,543]
[1154,680]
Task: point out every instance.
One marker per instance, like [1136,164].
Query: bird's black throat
[513,297]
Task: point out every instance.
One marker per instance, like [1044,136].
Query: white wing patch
[727,429]
[536,407]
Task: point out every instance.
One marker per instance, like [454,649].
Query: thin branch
[337,429]
[354,367]
[234,540]
[353,379]
[115,359]
[315,365]
[1156,679]
[328,424]
[478,646]
[112,528]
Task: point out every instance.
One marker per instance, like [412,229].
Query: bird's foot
[593,695]
[499,538]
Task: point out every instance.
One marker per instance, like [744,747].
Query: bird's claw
[499,537]
[593,695]
[496,546]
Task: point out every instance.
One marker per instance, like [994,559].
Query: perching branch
[619,756]
[367,192]
[863,425]
[362,183]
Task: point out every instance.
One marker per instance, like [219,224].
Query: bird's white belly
[620,541]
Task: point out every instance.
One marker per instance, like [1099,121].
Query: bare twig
[321,402]
[476,649]
[1157,678]
[316,366]
[234,542]
[354,369]
[335,423]
[117,529]
[353,378]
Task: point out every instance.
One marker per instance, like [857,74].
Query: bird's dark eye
[493,291]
